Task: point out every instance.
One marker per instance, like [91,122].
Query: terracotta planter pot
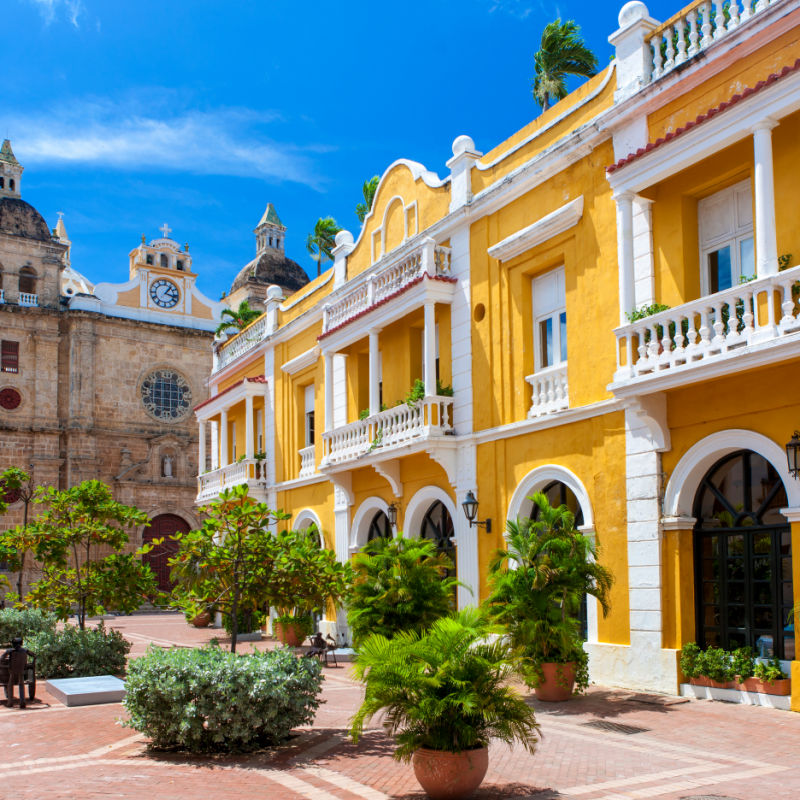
[290,633]
[202,620]
[553,690]
[782,686]
[703,681]
[450,776]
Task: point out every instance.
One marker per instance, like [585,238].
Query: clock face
[164,293]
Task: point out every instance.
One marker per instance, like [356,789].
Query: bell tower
[270,232]
[10,171]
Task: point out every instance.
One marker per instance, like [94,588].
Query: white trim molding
[701,456]
[302,361]
[420,503]
[558,221]
[538,478]
[362,518]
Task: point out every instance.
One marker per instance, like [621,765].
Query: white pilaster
[374,372]
[643,267]
[461,331]
[223,438]
[269,425]
[341,522]
[248,427]
[466,535]
[627,277]
[766,240]
[430,348]
[201,448]
[215,445]
[328,358]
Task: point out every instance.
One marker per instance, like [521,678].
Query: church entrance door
[163,526]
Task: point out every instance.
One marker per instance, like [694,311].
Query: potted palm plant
[444,693]
[537,585]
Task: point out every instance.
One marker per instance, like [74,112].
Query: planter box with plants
[734,676]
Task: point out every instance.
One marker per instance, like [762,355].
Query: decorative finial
[60,214]
[166,230]
[144,238]
[186,247]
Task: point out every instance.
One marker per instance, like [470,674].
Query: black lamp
[470,506]
[391,513]
[793,454]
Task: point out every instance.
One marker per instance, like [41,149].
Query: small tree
[79,540]
[229,561]
[368,190]
[399,584]
[16,483]
[322,240]
[237,320]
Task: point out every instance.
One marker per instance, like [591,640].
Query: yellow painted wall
[252,369]
[592,449]
[502,341]
[317,497]
[130,298]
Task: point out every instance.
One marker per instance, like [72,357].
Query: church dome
[272,267]
[19,218]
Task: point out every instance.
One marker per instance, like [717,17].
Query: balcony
[388,430]
[550,390]
[747,325]
[240,343]
[307,464]
[28,299]
[250,471]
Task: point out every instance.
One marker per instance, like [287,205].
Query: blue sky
[127,115]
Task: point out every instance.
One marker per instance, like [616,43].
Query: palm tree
[369,188]
[238,319]
[321,242]
[562,52]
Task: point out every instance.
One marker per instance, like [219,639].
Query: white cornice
[302,361]
[558,221]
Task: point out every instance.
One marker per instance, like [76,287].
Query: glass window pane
[562,322]
[719,270]
[546,341]
[747,261]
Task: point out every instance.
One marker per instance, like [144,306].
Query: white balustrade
[550,390]
[28,299]
[242,342]
[695,28]
[383,284]
[430,417]
[738,319]
[252,471]
[307,465]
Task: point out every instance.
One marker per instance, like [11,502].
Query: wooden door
[163,526]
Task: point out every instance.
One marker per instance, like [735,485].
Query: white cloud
[149,132]
[50,9]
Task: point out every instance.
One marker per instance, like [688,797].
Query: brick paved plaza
[684,749]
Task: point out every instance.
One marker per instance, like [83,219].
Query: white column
[214,445]
[248,427]
[328,390]
[467,560]
[201,449]
[430,349]
[766,241]
[627,278]
[374,372]
[223,439]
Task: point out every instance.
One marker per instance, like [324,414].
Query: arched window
[27,280]
[12,184]
[379,527]
[164,260]
[438,525]
[743,558]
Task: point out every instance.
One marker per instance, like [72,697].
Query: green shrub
[715,663]
[250,621]
[769,671]
[212,700]
[24,623]
[75,653]
[689,655]
[743,663]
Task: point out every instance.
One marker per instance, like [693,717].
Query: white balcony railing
[550,390]
[428,259]
[28,299]
[705,330]
[307,464]
[210,484]
[241,343]
[693,30]
[429,417]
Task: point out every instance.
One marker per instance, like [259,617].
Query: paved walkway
[605,746]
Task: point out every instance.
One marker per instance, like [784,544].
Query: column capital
[766,124]
[624,196]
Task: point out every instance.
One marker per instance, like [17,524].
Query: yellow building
[507,287]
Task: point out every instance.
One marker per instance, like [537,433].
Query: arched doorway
[163,526]
[379,527]
[559,494]
[437,525]
[743,558]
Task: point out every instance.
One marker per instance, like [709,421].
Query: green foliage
[645,311]
[743,663]
[538,600]
[368,190]
[715,663]
[689,660]
[210,701]
[76,653]
[249,621]
[416,393]
[443,390]
[16,542]
[78,540]
[236,321]
[322,240]
[784,261]
[399,584]
[444,689]
[24,622]
[769,671]
[562,52]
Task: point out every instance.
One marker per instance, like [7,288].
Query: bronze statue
[16,660]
